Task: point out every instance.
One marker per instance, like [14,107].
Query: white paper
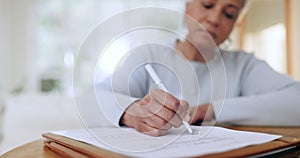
[177,143]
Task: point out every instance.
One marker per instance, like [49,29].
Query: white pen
[160,85]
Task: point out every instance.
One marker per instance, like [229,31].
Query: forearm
[276,108]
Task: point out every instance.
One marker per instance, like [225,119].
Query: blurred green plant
[49,85]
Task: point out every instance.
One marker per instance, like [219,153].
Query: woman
[254,93]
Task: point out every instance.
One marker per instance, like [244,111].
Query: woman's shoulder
[238,56]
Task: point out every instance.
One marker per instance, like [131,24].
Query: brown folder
[62,145]
[63,150]
[68,147]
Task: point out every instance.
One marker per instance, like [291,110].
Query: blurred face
[216,16]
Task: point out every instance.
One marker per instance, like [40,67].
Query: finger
[156,132]
[187,118]
[138,110]
[183,110]
[165,113]
[170,116]
[167,126]
[180,109]
[185,105]
[165,99]
[193,114]
[157,122]
[149,130]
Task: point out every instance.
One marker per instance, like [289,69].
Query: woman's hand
[201,113]
[156,113]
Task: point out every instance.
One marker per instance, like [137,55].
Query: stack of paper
[99,142]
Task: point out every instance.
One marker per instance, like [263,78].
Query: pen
[160,85]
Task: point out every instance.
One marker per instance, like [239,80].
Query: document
[177,143]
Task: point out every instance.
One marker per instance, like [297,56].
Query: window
[63,25]
[266,35]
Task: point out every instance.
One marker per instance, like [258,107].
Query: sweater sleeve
[127,84]
[266,98]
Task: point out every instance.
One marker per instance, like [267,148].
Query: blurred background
[39,40]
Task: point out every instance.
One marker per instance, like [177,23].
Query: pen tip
[188,127]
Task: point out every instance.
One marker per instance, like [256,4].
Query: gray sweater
[242,89]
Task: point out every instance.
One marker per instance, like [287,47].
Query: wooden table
[36,149]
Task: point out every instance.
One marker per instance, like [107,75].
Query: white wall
[4,38]
[265,13]
[295,13]
[15,41]
[265,32]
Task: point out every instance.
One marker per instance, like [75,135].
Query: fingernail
[187,117]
